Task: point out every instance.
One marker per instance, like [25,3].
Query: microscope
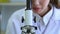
[28,28]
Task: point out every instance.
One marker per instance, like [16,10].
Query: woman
[47,18]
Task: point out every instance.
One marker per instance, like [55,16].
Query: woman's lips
[36,8]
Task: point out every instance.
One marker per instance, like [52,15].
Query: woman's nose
[36,2]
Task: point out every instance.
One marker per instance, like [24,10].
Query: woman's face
[39,6]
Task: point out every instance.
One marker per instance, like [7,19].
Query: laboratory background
[7,7]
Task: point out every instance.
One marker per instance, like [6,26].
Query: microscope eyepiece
[28,4]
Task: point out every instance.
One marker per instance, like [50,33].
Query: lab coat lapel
[53,27]
[50,27]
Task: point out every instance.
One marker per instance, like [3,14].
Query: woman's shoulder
[17,14]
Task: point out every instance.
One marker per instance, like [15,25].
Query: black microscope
[28,28]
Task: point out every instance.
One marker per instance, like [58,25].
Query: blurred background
[7,7]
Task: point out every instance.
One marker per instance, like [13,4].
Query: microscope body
[28,28]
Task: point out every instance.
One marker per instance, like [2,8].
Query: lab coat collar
[46,18]
[56,14]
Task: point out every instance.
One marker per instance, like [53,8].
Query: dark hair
[55,3]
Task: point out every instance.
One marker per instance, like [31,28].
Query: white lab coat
[15,23]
